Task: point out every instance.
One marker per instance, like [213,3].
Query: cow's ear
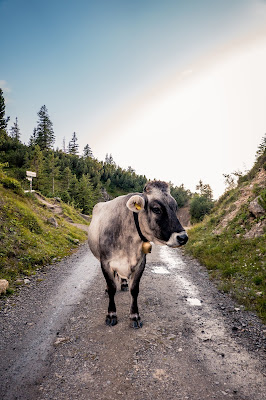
[136,203]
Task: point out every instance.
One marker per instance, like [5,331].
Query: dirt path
[51,205]
[56,209]
[195,343]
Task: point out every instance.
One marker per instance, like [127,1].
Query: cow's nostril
[182,238]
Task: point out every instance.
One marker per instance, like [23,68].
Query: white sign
[30,173]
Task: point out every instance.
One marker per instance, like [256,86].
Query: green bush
[11,183]
[199,207]
[262,199]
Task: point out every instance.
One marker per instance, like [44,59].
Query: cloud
[4,86]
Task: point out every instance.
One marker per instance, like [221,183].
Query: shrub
[199,207]
[262,199]
[11,183]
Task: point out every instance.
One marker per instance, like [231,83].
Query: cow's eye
[156,210]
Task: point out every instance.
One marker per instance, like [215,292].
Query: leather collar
[136,219]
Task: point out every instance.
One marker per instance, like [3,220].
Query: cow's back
[93,231]
[104,216]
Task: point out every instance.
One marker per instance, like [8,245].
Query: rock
[256,230]
[256,209]
[52,221]
[3,286]
[60,340]
[171,337]
[26,280]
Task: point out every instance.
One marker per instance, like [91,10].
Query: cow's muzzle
[182,238]
[177,239]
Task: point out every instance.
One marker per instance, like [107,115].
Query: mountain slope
[31,233]
[230,242]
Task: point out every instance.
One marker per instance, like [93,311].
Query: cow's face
[157,214]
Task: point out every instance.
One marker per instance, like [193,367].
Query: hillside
[33,231]
[230,241]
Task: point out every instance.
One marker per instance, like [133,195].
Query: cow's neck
[146,245]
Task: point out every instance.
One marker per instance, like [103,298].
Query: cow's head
[157,215]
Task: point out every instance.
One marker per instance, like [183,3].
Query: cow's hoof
[111,320]
[136,322]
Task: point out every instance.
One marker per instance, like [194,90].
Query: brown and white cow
[118,231]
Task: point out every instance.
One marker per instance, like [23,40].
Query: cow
[120,234]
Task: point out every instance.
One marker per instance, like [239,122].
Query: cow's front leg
[134,291]
[111,317]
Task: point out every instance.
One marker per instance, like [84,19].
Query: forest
[79,180]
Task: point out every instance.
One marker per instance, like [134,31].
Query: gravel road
[195,342]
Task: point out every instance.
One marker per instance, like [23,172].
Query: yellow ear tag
[137,206]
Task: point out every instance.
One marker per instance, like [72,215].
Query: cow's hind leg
[124,285]
[111,317]
[134,291]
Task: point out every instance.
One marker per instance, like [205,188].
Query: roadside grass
[235,263]
[73,214]
[27,239]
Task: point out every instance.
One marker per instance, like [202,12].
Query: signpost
[29,176]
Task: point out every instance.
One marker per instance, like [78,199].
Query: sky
[175,89]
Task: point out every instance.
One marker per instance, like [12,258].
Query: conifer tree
[73,145]
[37,165]
[3,120]
[64,145]
[66,176]
[87,152]
[44,133]
[15,131]
[85,196]
[32,140]
[262,147]
[52,170]
[109,159]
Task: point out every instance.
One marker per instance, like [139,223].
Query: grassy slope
[237,263]
[27,239]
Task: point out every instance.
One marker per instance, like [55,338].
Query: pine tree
[15,131]
[32,140]
[73,145]
[87,151]
[66,177]
[64,144]
[37,165]
[262,147]
[109,159]
[52,171]
[85,195]
[3,120]
[44,133]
